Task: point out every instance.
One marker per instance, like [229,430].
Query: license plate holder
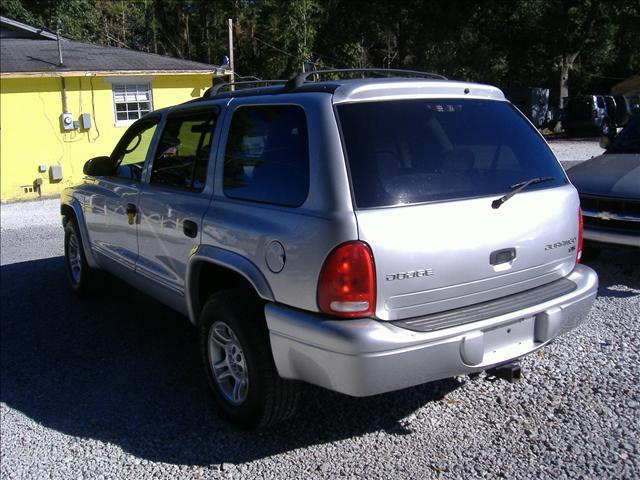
[509,341]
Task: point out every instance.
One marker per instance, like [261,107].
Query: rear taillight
[579,249]
[347,283]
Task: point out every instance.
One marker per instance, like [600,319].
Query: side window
[132,153]
[267,155]
[182,155]
[600,101]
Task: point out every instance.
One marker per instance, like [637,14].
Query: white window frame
[133,90]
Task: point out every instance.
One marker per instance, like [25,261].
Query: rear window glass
[415,151]
[267,155]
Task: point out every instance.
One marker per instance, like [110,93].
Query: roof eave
[112,73]
[23,27]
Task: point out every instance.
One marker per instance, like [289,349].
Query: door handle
[131,211]
[502,256]
[190,228]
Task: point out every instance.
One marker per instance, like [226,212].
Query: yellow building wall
[31,133]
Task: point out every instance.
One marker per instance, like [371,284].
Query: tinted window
[600,101]
[182,155]
[628,141]
[267,155]
[403,152]
[132,152]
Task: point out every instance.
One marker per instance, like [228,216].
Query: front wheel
[80,275]
[238,363]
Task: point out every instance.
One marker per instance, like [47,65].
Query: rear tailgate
[424,173]
[435,257]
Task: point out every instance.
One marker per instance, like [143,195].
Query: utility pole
[58,28]
[230,27]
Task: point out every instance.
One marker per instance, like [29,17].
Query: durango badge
[427,272]
[563,243]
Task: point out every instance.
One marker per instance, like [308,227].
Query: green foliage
[508,43]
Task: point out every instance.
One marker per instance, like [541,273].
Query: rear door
[424,174]
[177,195]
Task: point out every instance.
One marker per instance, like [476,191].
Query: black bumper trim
[490,309]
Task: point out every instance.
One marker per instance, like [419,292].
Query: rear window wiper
[518,188]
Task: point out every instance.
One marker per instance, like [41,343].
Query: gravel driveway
[575,150]
[112,388]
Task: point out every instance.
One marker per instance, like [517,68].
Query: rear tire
[81,276]
[236,353]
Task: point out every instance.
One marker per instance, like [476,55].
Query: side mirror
[99,167]
[605,141]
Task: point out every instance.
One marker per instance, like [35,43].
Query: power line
[338,62]
[273,46]
[604,76]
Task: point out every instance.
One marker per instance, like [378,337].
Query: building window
[131,101]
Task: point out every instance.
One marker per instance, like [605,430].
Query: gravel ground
[112,388]
[576,150]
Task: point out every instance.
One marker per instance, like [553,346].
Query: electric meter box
[66,121]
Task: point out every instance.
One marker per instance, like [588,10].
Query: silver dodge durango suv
[360,234]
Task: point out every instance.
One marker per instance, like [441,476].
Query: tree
[567,45]
[580,26]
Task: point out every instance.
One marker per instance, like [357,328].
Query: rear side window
[267,155]
[414,151]
[182,155]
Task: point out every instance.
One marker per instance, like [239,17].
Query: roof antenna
[58,26]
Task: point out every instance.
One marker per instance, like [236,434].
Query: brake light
[579,249]
[347,283]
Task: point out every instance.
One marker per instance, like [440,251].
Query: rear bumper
[364,357]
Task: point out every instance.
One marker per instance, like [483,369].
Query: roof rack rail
[213,91]
[298,80]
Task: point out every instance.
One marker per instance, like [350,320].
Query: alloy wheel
[73,258]
[228,363]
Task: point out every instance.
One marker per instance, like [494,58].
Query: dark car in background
[609,189]
[623,110]
[587,114]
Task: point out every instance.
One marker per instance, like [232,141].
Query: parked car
[634,103]
[363,235]
[623,110]
[609,188]
[611,105]
[587,114]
